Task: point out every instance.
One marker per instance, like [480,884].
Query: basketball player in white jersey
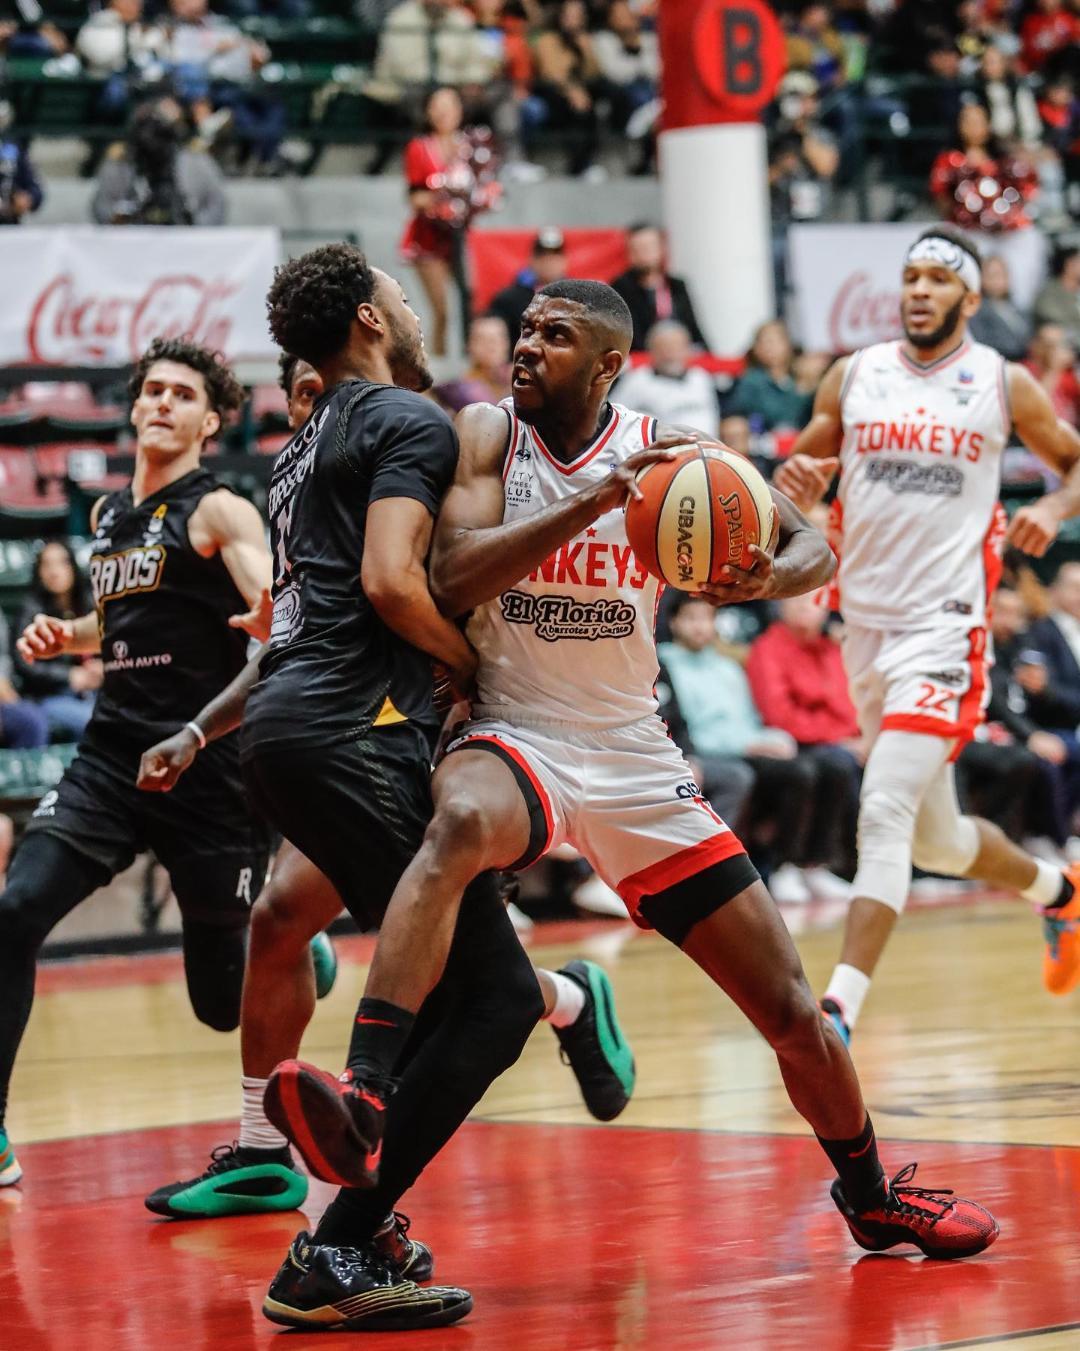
[564,744]
[919,427]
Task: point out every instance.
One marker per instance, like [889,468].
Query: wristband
[200,735]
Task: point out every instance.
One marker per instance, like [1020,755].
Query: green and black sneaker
[239,1181]
[325,961]
[324,1288]
[10,1168]
[594,1046]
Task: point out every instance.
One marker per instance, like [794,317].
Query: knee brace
[945,844]
[214,968]
[886,827]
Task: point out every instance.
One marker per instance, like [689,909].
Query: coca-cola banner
[846,278]
[96,296]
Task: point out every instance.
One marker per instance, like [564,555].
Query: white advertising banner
[846,278]
[97,295]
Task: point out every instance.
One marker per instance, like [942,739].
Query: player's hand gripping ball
[699,513]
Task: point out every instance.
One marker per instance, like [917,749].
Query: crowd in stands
[892,80]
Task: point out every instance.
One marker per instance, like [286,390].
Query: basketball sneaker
[324,959]
[1061,932]
[10,1168]
[834,1016]
[933,1218]
[239,1181]
[410,1258]
[325,1288]
[594,1046]
[336,1124]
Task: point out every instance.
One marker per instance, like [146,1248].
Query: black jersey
[162,613]
[333,668]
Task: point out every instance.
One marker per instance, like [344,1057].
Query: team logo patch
[558,617]
[965,377]
[120,650]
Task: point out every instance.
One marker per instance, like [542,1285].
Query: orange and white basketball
[698,513]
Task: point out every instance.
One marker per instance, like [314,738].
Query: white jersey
[919,523]
[572,642]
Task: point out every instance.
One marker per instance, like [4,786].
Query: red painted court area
[568,1236]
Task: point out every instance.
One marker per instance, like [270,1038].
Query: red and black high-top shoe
[933,1218]
[336,1124]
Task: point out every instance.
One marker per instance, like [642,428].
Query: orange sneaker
[1061,930]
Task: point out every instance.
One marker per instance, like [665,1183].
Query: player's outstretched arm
[802,562]
[1057,443]
[475,557]
[164,762]
[227,524]
[807,472]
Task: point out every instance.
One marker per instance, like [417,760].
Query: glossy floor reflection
[568,1236]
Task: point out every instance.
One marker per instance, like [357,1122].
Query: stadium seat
[19,426]
[273,443]
[103,425]
[28,506]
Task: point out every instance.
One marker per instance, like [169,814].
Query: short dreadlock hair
[224,392]
[313,300]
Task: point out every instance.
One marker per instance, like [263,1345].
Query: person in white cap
[917,429]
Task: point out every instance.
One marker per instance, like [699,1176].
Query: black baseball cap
[549,240]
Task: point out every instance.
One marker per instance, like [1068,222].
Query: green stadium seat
[26,775]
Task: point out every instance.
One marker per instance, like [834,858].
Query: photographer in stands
[154,179]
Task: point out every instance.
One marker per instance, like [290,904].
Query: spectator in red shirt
[1050,29]
[797,677]
[1052,361]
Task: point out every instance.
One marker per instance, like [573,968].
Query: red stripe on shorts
[527,770]
[677,868]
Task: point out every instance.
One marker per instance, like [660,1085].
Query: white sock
[1047,885]
[255,1131]
[569,1001]
[848,986]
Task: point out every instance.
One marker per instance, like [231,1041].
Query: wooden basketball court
[701,1219]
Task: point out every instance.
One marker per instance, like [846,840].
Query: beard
[408,364]
[944,330]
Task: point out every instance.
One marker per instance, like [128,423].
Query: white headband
[935,249]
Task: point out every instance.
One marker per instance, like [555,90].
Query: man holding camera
[154,178]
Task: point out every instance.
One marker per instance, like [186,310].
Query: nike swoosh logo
[373,1159]
[858,1153]
[374,1022]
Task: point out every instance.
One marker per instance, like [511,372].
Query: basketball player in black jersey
[179,570]
[279,993]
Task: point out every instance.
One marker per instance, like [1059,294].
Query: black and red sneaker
[336,1124]
[933,1218]
[411,1258]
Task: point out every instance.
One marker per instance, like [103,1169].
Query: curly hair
[224,392]
[313,300]
[287,364]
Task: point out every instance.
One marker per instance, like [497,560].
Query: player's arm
[1057,443]
[475,557]
[46,636]
[802,562]
[807,472]
[229,525]
[397,541]
[163,763]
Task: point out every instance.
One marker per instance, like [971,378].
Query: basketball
[698,513]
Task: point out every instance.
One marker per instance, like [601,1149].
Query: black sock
[858,1167]
[1065,895]
[378,1037]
